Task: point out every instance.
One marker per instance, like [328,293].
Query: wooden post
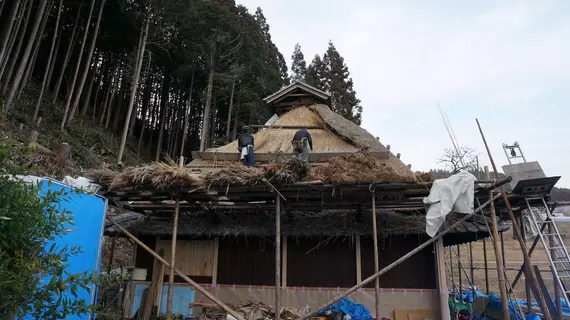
[215,264]
[498,255]
[471,266]
[196,286]
[442,281]
[526,282]
[376,260]
[277,257]
[397,262]
[452,271]
[557,289]
[284,264]
[358,261]
[459,269]
[529,272]
[486,265]
[172,261]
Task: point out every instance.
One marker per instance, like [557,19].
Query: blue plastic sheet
[354,310]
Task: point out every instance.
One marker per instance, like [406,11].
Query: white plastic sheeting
[455,193]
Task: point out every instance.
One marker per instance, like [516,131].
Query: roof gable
[295,94]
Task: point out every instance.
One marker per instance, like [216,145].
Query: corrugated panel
[246,261]
[418,272]
[321,262]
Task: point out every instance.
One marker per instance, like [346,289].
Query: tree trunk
[13,36]
[105,102]
[206,124]
[48,67]
[26,56]
[187,117]
[67,55]
[145,102]
[87,96]
[31,65]
[16,53]
[134,88]
[8,33]
[87,63]
[163,106]
[234,131]
[77,67]
[212,135]
[229,122]
[54,58]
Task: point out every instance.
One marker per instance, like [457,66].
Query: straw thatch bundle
[289,171]
[236,174]
[157,175]
[355,169]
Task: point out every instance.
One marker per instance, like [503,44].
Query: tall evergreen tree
[339,84]
[298,66]
[278,59]
[316,74]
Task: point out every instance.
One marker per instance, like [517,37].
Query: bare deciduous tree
[457,160]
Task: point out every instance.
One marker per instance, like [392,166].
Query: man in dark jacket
[301,140]
[246,147]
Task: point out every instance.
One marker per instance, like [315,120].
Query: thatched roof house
[228,222]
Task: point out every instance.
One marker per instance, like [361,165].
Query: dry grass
[235,174]
[159,175]
[353,169]
[276,140]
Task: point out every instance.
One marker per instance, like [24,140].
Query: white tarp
[81,183]
[455,193]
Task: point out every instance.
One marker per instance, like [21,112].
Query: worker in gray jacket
[246,147]
[301,140]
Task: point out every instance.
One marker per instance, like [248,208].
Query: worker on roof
[301,140]
[363,152]
[246,147]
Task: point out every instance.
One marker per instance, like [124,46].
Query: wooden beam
[284,126]
[498,253]
[442,281]
[266,157]
[376,260]
[277,257]
[284,264]
[172,261]
[486,265]
[215,264]
[195,285]
[358,261]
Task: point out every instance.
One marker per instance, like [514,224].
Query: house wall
[315,269]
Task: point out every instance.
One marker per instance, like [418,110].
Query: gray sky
[506,63]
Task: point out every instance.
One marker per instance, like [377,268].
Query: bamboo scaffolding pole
[277,257]
[376,260]
[529,271]
[486,265]
[397,262]
[498,253]
[526,282]
[178,272]
[459,267]
[172,261]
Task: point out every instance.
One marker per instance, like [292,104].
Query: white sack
[455,193]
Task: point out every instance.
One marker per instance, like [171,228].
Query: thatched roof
[330,223]
[297,86]
[278,140]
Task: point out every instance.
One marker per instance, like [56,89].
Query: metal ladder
[511,153]
[553,244]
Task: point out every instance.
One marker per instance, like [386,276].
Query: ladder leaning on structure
[547,231]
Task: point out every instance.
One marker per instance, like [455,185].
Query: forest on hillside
[164,77]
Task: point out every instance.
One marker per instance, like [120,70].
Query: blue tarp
[354,310]
[86,232]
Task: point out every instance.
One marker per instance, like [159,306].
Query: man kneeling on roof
[300,141]
[245,147]
[363,152]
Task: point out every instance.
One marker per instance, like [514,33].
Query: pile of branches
[250,311]
[357,169]
[289,171]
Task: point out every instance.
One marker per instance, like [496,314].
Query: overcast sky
[506,63]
